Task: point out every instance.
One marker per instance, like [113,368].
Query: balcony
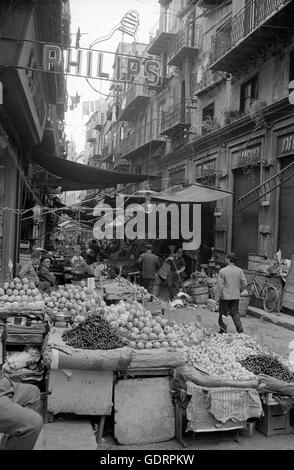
[244,38]
[177,118]
[162,35]
[146,139]
[186,43]
[136,97]
[210,80]
[120,164]
[91,135]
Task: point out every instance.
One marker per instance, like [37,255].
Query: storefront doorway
[245,222]
[286,214]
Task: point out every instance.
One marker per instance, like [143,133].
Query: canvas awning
[195,193]
[84,174]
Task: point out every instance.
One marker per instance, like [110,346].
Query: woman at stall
[46,277]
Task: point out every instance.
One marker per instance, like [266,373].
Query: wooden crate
[274,421]
[144,412]
[205,423]
[24,338]
[81,392]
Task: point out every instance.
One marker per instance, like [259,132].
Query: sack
[189,373]
[270,384]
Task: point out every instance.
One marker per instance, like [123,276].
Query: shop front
[246,176]
[8,204]
[285,147]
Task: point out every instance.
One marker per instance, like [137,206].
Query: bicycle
[270,295]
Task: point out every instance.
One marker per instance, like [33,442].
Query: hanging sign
[89,63]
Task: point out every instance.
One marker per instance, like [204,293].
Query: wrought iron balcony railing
[177,117]
[161,34]
[136,96]
[187,41]
[147,136]
[209,80]
[243,24]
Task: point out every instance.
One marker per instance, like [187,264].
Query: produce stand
[23,329]
[76,373]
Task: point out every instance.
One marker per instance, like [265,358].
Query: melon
[25,280]
[32,285]
[6,285]
[12,285]
[2,292]
[17,280]
[9,291]
[15,292]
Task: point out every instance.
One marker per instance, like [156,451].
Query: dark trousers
[19,420]
[148,284]
[229,307]
[173,285]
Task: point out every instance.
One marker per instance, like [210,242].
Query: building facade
[31,120]
[220,117]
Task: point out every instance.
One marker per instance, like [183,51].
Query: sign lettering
[286,144]
[246,157]
[89,63]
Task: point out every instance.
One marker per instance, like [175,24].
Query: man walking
[149,263]
[231,282]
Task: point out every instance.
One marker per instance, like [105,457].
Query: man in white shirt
[231,282]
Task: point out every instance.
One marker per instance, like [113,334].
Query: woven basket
[243,305]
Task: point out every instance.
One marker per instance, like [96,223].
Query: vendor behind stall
[47,278]
[88,254]
[29,269]
[79,266]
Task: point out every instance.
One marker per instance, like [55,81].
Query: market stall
[157,376]
[24,325]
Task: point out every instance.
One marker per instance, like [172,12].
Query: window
[249,93]
[208,113]
[177,176]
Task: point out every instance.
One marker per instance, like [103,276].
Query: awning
[79,173]
[195,193]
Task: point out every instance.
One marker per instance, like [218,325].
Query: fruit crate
[274,421]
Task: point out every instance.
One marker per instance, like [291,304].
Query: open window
[249,93]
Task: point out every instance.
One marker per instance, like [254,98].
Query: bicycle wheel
[271,299]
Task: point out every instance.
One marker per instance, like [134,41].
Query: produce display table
[81,381]
[143,407]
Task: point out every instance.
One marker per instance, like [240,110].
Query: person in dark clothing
[149,264]
[177,267]
[231,282]
[88,254]
[20,421]
[95,248]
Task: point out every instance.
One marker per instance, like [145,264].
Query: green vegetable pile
[268,365]
[93,333]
